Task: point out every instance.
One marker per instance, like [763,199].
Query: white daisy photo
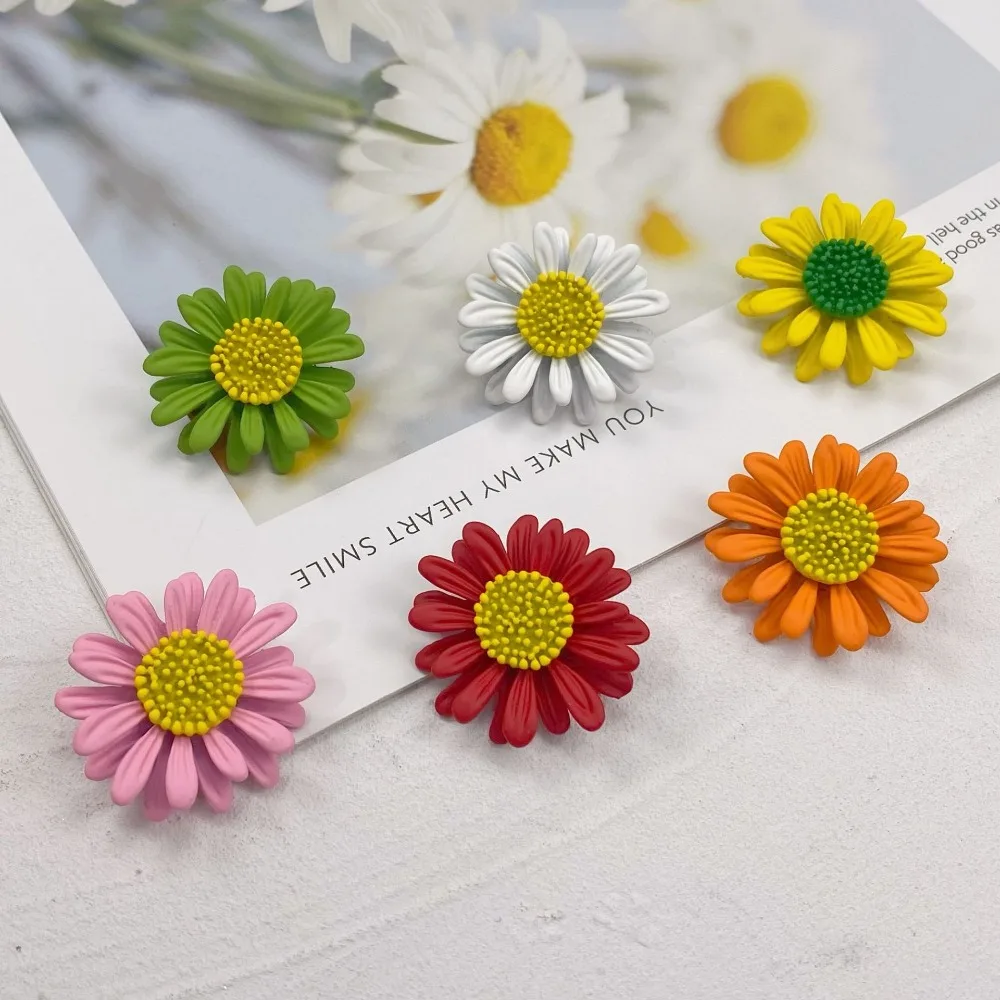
[514,140]
[563,326]
[784,119]
[404,24]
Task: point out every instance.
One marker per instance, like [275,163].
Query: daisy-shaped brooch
[564,327]
[188,703]
[830,543]
[252,365]
[530,625]
[846,288]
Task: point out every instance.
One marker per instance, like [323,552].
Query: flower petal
[737,507]
[561,381]
[520,716]
[795,460]
[215,787]
[771,581]
[102,765]
[105,726]
[834,349]
[181,778]
[635,355]
[823,638]
[906,548]
[877,344]
[857,364]
[922,576]
[648,302]
[771,474]
[266,659]
[579,696]
[458,657]
[551,706]
[926,319]
[485,544]
[604,651]
[225,754]
[135,618]
[748,487]
[826,462]
[741,546]
[573,548]
[440,616]
[474,695]
[804,326]
[896,515]
[871,608]
[182,602]
[873,478]
[508,270]
[799,614]
[787,236]
[290,714]
[105,660]
[79,702]
[549,246]
[521,377]
[444,574]
[136,766]
[269,734]
[261,764]
[850,627]
[768,623]
[280,684]
[876,224]
[487,313]
[219,599]
[621,263]
[520,539]
[492,355]
[850,459]
[737,588]
[597,379]
[243,610]
[155,806]
[267,624]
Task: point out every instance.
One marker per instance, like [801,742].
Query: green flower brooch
[252,365]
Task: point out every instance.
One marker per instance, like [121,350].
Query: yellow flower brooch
[844,288]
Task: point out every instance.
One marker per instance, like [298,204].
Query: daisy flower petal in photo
[845,288]
[516,141]
[251,368]
[565,327]
[405,24]
[188,703]
[51,7]
[828,543]
[530,626]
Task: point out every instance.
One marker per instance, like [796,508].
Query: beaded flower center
[765,121]
[830,537]
[523,619]
[845,278]
[521,152]
[660,234]
[257,361]
[189,682]
[560,314]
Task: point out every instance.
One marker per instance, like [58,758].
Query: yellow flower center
[521,152]
[523,619]
[660,234]
[830,537]
[189,682]
[560,314]
[765,121]
[257,361]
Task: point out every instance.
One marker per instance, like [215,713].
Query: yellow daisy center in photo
[560,314]
[830,537]
[660,233]
[765,121]
[523,619]
[257,361]
[521,153]
[189,682]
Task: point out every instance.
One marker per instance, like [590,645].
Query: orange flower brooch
[828,544]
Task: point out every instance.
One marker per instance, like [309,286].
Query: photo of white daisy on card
[563,326]
[514,140]
[784,118]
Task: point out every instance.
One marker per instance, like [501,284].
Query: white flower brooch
[565,327]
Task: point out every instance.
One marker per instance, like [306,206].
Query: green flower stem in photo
[252,363]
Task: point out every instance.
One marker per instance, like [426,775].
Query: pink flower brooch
[190,704]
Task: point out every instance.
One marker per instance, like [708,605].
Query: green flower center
[845,278]
[257,361]
[523,619]
[560,314]
[189,682]
[830,537]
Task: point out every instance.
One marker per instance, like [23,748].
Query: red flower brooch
[529,624]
